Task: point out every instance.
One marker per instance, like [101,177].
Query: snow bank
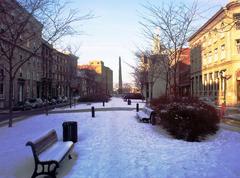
[115,144]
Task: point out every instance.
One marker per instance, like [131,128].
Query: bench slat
[45,141]
[145,114]
[56,152]
[48,152]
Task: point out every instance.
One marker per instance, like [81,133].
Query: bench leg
[47,168]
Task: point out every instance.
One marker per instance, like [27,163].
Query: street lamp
[225,78]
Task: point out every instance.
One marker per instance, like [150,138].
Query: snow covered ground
[115,102]
[115,145]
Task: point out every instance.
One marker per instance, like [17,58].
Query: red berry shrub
[188,119]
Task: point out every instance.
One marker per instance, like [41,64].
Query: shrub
[95,98]
[190,120]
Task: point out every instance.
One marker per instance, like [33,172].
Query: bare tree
[175,23]
[23,23]
[150,68]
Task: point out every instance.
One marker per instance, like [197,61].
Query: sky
[115,31]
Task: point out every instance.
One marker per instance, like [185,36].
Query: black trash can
[129,102]
[70,132]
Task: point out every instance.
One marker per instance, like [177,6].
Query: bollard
[103,103]
[129,102]
[93,112]
[153,119]
[137,107]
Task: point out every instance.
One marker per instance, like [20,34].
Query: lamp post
[225,78]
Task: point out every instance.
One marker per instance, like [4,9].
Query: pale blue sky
[116,31]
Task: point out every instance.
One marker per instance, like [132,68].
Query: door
[20,92]
[238,91]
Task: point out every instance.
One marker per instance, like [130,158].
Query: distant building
[155,81]
[109,80]
[106,75]
[215,54]
[65,73]
[88,81]
[183,72]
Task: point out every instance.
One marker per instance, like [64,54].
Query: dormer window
[236,18]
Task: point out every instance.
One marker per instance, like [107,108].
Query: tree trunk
[166,87]
[10,103]
[151,91]
[70,94]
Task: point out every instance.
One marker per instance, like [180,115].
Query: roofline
[220,11]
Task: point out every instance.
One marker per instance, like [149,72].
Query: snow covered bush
[186,118]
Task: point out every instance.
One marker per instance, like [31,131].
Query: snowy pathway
[115,145]
[115,102]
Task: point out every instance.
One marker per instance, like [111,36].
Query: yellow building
[105,75]
[215,57]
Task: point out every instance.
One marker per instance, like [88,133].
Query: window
[223,51]
[1,89]
[236,18]
[210,57]
[20,72]
[222,29]
[238,45]
[205,59]
[215,54]
[28,43]
[1,73]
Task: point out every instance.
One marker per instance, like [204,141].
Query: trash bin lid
[69,122]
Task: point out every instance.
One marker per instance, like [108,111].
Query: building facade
[105,75]
[20,54]
[154,76]
[215,57]
[38,70]
[183,71]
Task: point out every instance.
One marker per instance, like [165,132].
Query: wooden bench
[48,152]
[145,114]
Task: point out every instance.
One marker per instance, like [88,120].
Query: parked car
[208,101]
[65,99]
[53,101]
[39,102]
[22,106]
[33,102]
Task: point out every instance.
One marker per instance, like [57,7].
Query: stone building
[38,70]
[88,81]
[215,54]
[64,73]
[20,53]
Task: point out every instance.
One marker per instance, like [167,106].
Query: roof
[88,67]
[207,23]
[217,14]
